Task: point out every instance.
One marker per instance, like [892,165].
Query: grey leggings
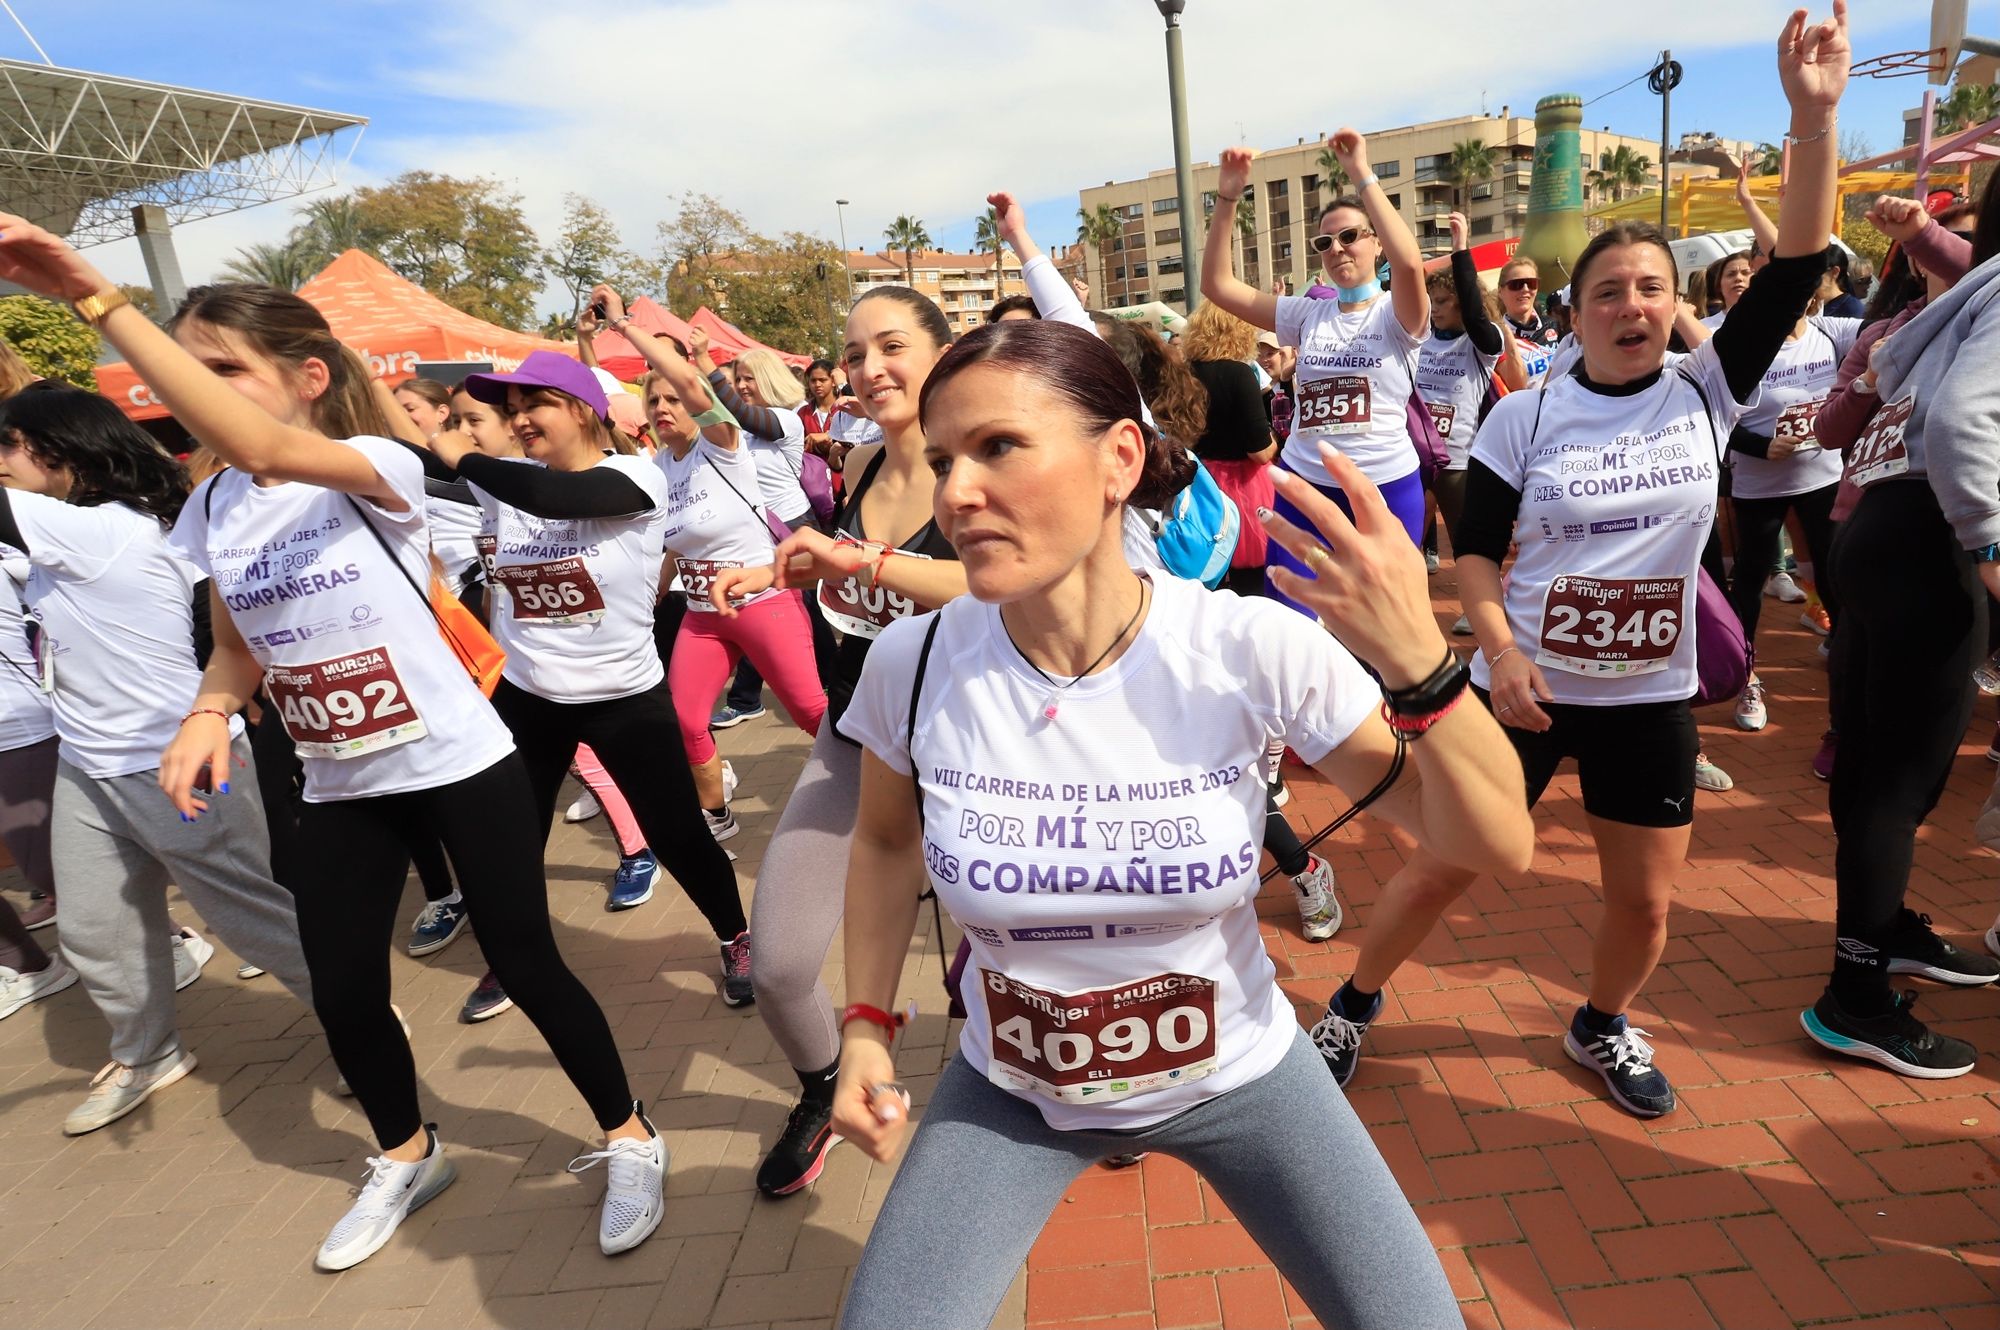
[801,891]
[1285,1153]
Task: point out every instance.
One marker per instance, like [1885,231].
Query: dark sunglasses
[1523,283]
[1322,243]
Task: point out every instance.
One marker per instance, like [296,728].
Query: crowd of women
[392,622]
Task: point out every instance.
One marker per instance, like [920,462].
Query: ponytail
[1169,470]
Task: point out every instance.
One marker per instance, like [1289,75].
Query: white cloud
[780,106]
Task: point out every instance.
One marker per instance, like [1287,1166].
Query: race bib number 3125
[1103,1043]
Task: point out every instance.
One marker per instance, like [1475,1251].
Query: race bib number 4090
[1601,625]
[1103,1043]
[1340,405]
[344,707]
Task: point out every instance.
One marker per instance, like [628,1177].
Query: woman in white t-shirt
[318,552]
[27,781]
[1606,477]
[714,520]
[1104,866]
[1357,353]
[88,499]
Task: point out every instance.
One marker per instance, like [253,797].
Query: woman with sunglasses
[1535,337]
[1606,479]
[1357,353]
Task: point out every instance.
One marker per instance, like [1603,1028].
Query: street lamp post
[1191,218]
[839,205]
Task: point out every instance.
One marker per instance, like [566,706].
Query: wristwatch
[92,308]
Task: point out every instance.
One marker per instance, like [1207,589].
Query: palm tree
[1246,233]
[1619,167]
[1770,159]
[1470,162]
[1969,104]
[988,239]
[1333,175]
[907,234]
[286,266]
[1098,227]
[328,228]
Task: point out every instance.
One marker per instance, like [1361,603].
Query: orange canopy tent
[391,322]
[726,341]
[615,353]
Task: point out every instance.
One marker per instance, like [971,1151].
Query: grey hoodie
[1950,356]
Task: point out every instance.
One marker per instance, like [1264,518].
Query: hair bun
[1169,469]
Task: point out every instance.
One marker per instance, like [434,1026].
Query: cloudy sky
[921,106]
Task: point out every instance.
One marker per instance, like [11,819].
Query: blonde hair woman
[1236,444]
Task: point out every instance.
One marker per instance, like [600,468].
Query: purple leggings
[1405,497]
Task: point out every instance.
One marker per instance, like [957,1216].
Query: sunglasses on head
[1347,236]
[1523,284]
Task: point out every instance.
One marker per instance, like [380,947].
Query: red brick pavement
[1790,1189]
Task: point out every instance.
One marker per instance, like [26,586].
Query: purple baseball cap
[543,369]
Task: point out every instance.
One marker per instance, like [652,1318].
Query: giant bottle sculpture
[1554,235]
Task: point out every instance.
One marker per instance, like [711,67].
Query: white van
[1694,253]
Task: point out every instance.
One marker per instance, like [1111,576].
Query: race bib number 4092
[344,707]
[1103,1043]
[1604,625]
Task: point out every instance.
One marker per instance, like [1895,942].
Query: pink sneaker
[1822,763]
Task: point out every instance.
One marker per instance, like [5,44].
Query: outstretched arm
[1406,262]
[1219,281]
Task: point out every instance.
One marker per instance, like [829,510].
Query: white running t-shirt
[1352,387]
[373,699]
[572,599]
[779,463]
[25,715]
[1788,402]
[709,527]
[1104,863]
[454,539]
[1453,376]
[1617,498]
[115,607]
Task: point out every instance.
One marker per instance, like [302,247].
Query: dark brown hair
[1083,371]
[1344,201]
[286,329]
[929,317]
[1177,399]
[429,389]
[1612,237]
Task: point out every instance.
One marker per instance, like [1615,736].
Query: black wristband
[1434,693]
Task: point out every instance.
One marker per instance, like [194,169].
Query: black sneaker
[1919,951]
[1896,1039]
[795,1161]
[1625,1060]
[736,989]
[1338,1036]
[487,1001]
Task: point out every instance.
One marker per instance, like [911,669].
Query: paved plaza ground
[1789,1190]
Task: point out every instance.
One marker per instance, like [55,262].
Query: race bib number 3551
[1340,405]
[1103,1043]
[1600,625]
[344,707]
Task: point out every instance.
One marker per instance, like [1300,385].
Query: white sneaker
[585,808]
[391,1192]
[723,827]
[118,1089]
[728,782]
[1461,627]
[634,1200]
[1780,586]
[17,990]
[1750,710]
[191,952]
[340,1085]
[249,971]
[1319,908]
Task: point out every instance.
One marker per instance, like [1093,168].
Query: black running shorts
[1636,762]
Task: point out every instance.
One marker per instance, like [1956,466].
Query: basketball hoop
[1902,64]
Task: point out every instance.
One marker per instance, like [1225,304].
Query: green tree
[693,249]
[1333,176]
[1619,167]
[55,343]
[907,234]
[1969,104]
[1469,162]
[286,266]
[465,241]
[988,239]
[1246,235]
[588,251]
[1097,227]
[1770,159]
[328,228]
[785,295]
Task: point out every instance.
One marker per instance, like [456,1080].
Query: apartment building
[1413,163]
[962,284]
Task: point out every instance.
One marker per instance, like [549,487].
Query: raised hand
[1234,174]
[1461,229]
[1897,218]
[45,263]
[1352,150]
[1012,218]
[1813,59]
[614,305]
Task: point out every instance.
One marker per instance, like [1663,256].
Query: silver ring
[1504,710]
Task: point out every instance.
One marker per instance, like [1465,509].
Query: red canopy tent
[615,353]
[1489,257]
[392,323]
[726,341]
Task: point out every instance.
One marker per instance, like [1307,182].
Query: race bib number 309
[1103,1043]
[1597,626]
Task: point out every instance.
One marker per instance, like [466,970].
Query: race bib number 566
[1103,1043]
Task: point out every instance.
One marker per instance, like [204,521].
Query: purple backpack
[1723,656]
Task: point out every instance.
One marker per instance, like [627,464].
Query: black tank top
[853,652]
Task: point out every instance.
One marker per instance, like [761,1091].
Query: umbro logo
[1853,949]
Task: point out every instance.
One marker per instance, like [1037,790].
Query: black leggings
[1758,524]
[1914,627]
[1287,851]
[348,878]
[638,740]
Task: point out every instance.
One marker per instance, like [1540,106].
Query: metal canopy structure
[79,152]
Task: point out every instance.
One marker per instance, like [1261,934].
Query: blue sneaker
[634,883]
[438,926]
[730,716]
[1339,1034]
[1625,1060]
[485,1001]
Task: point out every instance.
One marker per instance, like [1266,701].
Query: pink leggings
[775,635]
[595,778]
